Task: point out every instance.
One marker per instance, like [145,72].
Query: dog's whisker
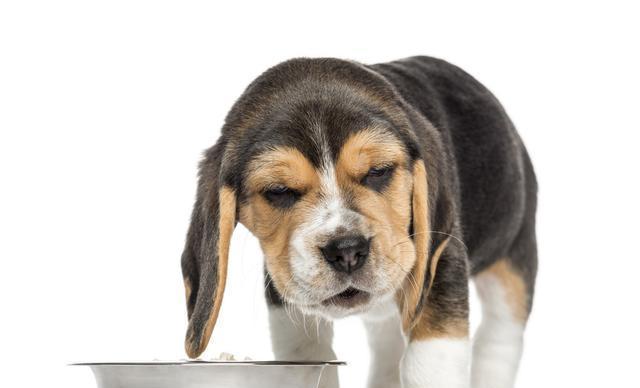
[288,307]
[408,238]
[409,276]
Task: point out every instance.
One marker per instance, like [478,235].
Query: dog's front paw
[436,363]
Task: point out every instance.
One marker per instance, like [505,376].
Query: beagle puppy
[374,190]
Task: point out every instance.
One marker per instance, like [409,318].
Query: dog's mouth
[348,298]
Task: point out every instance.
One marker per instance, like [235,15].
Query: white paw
[436,363]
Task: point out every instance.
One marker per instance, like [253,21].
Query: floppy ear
[205,256]
[431,228]
[421,239]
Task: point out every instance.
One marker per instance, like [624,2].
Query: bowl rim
[210,362]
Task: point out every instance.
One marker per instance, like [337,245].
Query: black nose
[346,254]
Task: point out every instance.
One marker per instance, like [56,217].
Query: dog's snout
[346,254]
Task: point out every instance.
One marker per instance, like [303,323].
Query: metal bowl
[211,374]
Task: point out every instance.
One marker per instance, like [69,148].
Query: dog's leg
[387,344]
[438,354]
[436,363]
[505,292]
[302,338]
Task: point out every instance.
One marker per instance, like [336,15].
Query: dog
[376,190]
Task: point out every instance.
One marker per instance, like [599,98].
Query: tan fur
[413,285]
[273,227]
[187,289]
[227,201]
[434,262]
[422,327]
[282,165]
[366,149]
[514,286]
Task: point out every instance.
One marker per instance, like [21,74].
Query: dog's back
[496,182]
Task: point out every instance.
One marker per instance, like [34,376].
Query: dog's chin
[351,301]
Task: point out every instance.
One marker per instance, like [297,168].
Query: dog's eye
[281,196]
[378,171]
[378,178]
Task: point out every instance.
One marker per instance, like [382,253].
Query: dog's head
[320,160]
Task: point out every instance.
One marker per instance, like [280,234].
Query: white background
[106,107]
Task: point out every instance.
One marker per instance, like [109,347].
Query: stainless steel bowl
[211,374]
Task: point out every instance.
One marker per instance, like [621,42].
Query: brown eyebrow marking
[368,148]
[281,165]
